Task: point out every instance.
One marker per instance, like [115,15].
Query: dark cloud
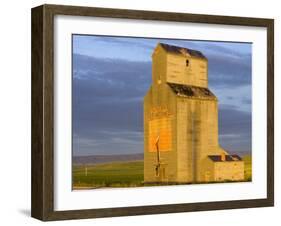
[108,104]
[235,129]
[108,142]
[221,50]
[123,41]
[226,71]
[247,101]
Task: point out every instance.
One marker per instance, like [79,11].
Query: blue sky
[112,74]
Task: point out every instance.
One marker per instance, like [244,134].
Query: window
[187,63]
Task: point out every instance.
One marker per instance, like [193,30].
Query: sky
[111,75]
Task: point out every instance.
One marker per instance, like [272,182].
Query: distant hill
[96,159]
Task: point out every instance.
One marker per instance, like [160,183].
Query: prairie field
[248,167]
[115,174]
[122,174]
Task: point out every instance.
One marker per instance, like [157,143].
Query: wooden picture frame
[42,203]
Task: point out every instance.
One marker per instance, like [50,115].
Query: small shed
[225,168]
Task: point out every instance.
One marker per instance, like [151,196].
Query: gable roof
[192,91]
[182,50]
[228,158]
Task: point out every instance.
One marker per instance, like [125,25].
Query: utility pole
[158,155]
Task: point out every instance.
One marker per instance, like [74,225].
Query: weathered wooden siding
[159,68]
[194,72]
[209,170]
[197,129]
[229,171]
[164,100]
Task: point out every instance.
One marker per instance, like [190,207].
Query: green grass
[122,174]
[117,174]
[248,167]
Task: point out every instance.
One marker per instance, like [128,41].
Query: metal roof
[228,158]
[192,91]
[182,50]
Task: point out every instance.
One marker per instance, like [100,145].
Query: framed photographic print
[141,112]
